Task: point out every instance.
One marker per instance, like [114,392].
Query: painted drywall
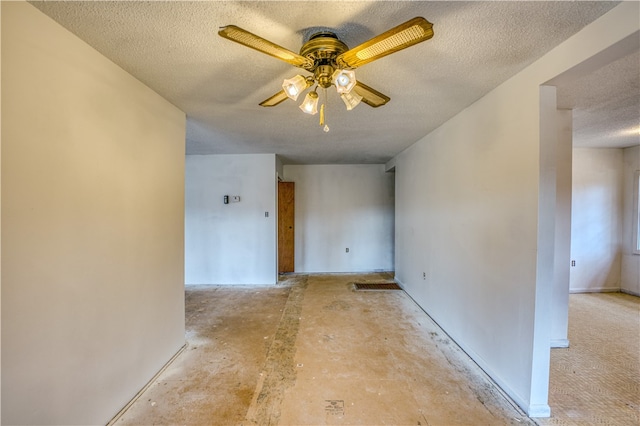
[231,243]
[562,252]
[339,207]
[279,168]
[630,274]
[0,232]
[596,222]
[92,227]
[475,215]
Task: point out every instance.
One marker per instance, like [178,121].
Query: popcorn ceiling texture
[173,47]
[606,104]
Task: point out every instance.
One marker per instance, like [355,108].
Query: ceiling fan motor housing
[322,49]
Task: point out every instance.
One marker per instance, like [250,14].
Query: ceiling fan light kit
[294,86]
[351,99]
[332,63]
[344,80]
[310,103]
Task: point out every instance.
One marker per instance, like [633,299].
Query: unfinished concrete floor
[313,351]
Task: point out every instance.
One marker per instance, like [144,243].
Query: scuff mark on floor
[279,372]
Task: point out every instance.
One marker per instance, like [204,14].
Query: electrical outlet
[347,250]
[573,263]
[424,275]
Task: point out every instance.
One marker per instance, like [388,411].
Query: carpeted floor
[596,381]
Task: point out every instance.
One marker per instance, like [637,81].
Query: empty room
[300,212]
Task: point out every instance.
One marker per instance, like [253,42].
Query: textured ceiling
[173,47]
[606,105]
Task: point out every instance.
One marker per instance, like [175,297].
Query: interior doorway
[286,227]
[596,190]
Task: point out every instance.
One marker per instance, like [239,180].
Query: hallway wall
[230,243]
[475,215]
[92,227]
[596,219]
[339,207]
[630,280]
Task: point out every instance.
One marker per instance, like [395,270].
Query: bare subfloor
[313,351]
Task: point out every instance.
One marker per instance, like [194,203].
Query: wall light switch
[235,198]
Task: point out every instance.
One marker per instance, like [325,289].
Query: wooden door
[286,227]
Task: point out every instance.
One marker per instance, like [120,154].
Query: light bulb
[310,103]
[294,86]
[344,80]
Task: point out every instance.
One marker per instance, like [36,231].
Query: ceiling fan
[331,62]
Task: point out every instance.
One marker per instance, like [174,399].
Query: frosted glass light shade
[294,86]
[344,80]
[310,103]
[351,100]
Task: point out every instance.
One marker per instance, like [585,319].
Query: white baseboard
[632,293]
[559,343]
[375,271]
[519,403]
[595,290]
[114,420]
[539,410]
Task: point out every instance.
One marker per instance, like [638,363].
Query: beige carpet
[596,381]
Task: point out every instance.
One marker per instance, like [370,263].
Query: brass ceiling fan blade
[370,96]
[274,100]
[412,32]
[244,37]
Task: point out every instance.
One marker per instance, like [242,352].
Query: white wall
[230,243]
[339,207]
[596,222]
[562,255]
[475,212]
[92,227]
[279,168]
[630,280]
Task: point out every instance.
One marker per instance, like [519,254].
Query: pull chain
[326,127]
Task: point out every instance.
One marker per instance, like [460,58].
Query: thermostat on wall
[231,198]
